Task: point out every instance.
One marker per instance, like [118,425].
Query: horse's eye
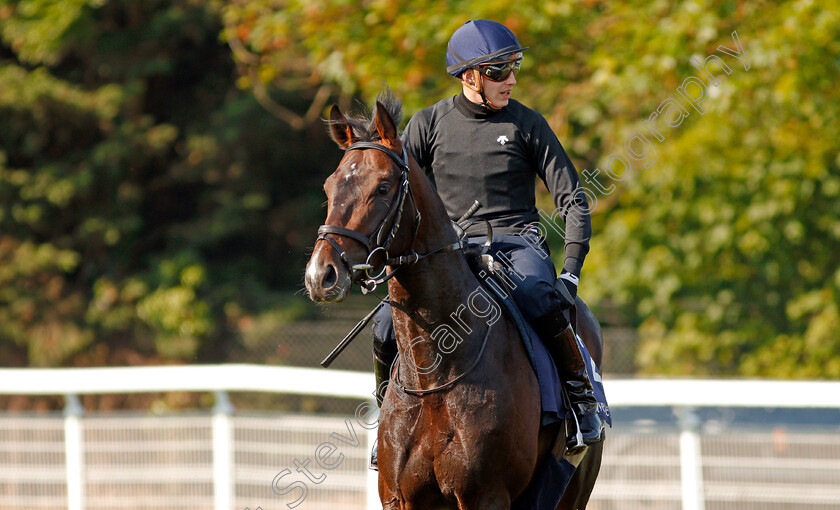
[383,188]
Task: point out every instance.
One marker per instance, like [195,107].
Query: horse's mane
[364,129]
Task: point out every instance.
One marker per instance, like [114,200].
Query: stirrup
[576,442]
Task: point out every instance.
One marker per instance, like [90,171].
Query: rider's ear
[469,77]
[340,129]
[473,79]
[385,124]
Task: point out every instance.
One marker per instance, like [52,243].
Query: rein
[383,241]
[419,392]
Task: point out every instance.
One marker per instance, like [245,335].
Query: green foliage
[40,30]
[142,196]
[725,249]
[723,252]
[149,203]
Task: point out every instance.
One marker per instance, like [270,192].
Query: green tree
[159,181]
[724,251]
[150,211]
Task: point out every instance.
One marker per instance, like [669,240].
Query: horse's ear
[385,124]
[340,129]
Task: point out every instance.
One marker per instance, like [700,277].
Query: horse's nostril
[330,277]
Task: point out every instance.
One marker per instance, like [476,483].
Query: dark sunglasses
[500,72]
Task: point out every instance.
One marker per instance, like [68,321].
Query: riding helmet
[477,42]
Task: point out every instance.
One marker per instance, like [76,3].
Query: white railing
[683,395]
[219,379]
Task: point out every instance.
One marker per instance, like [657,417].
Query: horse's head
[368,203]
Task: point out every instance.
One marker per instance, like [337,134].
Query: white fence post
[691,461]
[373,502]
[74,452]
[223,487]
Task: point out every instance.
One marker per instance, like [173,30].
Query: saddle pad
[552,396]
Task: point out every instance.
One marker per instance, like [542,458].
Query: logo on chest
[502,139]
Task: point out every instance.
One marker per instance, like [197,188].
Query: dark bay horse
[468,435]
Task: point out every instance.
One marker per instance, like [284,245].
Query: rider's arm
[417,141]
[559,174]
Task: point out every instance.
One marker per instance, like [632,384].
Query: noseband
[383,235]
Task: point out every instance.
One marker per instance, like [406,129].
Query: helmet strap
[478,86]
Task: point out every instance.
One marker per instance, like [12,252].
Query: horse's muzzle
[326,282]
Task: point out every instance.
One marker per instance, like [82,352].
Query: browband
[401,161]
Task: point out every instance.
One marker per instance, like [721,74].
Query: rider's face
[497,92]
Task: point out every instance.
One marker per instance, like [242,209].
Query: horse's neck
[430,300]
[434,287]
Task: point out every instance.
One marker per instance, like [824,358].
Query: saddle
[484,266]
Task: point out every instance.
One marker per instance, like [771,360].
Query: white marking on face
[311,273]
[352,173]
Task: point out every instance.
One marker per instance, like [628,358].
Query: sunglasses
[500,72]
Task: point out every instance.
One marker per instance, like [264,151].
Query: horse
[460,423]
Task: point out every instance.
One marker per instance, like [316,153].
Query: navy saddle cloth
[554,402]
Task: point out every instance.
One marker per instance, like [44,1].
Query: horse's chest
[445,447]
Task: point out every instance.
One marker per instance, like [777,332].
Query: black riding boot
[382,371]
[560,340]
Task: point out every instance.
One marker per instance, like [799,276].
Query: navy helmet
[478,42]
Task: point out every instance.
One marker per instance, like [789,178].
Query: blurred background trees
[161,164]
[151,209]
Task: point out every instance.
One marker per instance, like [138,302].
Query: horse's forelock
[363,125]
[392,104]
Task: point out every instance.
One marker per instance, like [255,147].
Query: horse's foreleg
[499,500]
[389,500]
[392,503]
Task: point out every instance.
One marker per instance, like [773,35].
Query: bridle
[383,235]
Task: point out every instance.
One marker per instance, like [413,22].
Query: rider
[483,145]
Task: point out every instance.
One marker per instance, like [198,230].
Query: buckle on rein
[369,284]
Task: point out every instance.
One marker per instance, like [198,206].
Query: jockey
[482,145]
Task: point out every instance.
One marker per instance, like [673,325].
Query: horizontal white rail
[350,384]
[259,378]
[723,393]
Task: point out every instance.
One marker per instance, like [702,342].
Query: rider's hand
[566,287]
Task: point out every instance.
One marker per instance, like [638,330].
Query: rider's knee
[536,299]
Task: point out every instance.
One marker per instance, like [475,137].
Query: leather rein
[383,235]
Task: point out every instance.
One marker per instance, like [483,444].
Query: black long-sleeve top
[493,156]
